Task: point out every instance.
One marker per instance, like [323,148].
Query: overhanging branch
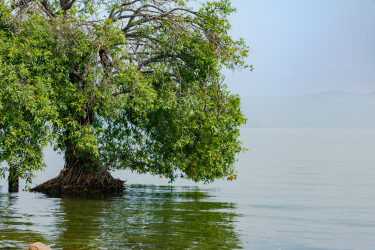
[114,158]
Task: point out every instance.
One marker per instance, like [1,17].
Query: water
[296,189]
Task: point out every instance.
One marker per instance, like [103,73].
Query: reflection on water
[296,189]
[145,217]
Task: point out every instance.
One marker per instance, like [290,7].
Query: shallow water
[296,189]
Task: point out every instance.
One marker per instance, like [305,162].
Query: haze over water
[296,189]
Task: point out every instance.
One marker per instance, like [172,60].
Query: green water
[152,217]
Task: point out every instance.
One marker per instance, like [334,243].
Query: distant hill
[322,110]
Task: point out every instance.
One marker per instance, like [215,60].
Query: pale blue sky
[305,46]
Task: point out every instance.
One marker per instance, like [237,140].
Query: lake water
[296,189]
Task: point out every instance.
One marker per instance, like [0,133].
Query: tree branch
[65,5]
[47,9]
[106,167]
[105,60]
[121,92]
[157,59]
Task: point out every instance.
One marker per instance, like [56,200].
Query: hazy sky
[301,46]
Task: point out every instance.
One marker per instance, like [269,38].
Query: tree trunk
[81,175]
[80,179]
[13,180]
[81,171]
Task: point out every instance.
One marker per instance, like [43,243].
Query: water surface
[296,189]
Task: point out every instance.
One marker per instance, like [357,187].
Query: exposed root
[73,181]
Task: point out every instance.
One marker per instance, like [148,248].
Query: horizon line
[315,93]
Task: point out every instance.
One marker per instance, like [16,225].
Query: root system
[73,181]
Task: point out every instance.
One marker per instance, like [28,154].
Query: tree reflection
[149,217]
[15,228]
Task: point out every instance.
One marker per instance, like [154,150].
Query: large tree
[118,84]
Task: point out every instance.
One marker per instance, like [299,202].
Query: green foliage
[137,87]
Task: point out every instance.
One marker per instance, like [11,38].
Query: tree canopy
[119,84]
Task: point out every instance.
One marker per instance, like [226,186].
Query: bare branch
[47,9]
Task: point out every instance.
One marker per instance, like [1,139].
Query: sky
[305,46]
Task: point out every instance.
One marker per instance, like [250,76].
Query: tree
[118,84]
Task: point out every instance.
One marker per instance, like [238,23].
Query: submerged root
[73,181]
